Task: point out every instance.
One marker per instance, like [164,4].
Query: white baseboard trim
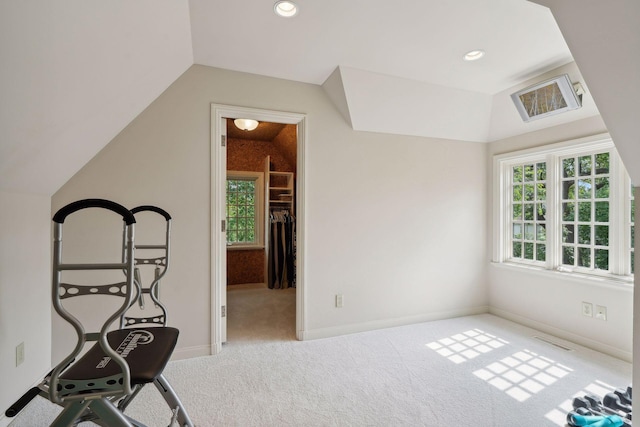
[388,323]
[191,352]
[561,333]
[4,420]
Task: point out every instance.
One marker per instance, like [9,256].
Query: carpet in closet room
[469,371]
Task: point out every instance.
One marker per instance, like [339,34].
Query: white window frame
[258,178]
[620,206]
[508,208]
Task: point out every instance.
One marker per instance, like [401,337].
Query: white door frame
[218,241]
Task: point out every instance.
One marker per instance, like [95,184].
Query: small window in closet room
[261,221]
[245,209]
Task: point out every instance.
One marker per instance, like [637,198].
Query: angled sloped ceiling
[75,73]
[378,103]
[334,88]
[604,38]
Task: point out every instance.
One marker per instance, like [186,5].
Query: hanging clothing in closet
[282,250]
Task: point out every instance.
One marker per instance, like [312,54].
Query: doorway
[261,244]
[220,114]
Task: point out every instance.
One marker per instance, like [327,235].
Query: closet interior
[280,225]
[261,233]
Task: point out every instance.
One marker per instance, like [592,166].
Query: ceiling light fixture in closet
[286,9]
[246,124]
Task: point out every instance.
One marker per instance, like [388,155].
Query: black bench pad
[146,350]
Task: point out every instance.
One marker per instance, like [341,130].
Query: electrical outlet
[339,301]
[587,309]
[19,354]
[601,312]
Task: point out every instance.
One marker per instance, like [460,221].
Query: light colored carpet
[470,371]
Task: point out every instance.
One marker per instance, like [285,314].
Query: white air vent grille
[555,344]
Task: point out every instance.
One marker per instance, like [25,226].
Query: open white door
[223,230]
[219,114]
[219,234]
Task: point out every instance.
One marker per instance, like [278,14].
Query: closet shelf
[280,188]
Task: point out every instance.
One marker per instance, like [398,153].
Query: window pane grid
[585,192]
[586,224]
[528,232]
[241,211]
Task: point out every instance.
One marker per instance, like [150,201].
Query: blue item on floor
[596,420]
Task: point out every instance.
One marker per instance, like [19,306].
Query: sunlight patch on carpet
[523,374]
[465,346]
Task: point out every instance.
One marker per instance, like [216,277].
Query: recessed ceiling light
[473,55]
[285,9]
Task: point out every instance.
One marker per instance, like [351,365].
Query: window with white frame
[586,208]
[566,207]
[528,211]
[245,210]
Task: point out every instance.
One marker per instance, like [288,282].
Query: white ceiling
[76,72]
[397,67]
[420,40]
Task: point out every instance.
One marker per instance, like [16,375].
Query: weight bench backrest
[62,387]
[152,259]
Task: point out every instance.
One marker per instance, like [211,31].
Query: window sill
[245,247]
[617,282]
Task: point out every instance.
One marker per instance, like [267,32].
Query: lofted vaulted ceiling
[76,72]
[419,40]
[397,67]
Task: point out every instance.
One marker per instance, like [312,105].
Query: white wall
[394,227]
[75,73]
[551,301]
[25,283]
[396,224]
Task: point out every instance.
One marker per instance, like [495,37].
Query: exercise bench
[98,385]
